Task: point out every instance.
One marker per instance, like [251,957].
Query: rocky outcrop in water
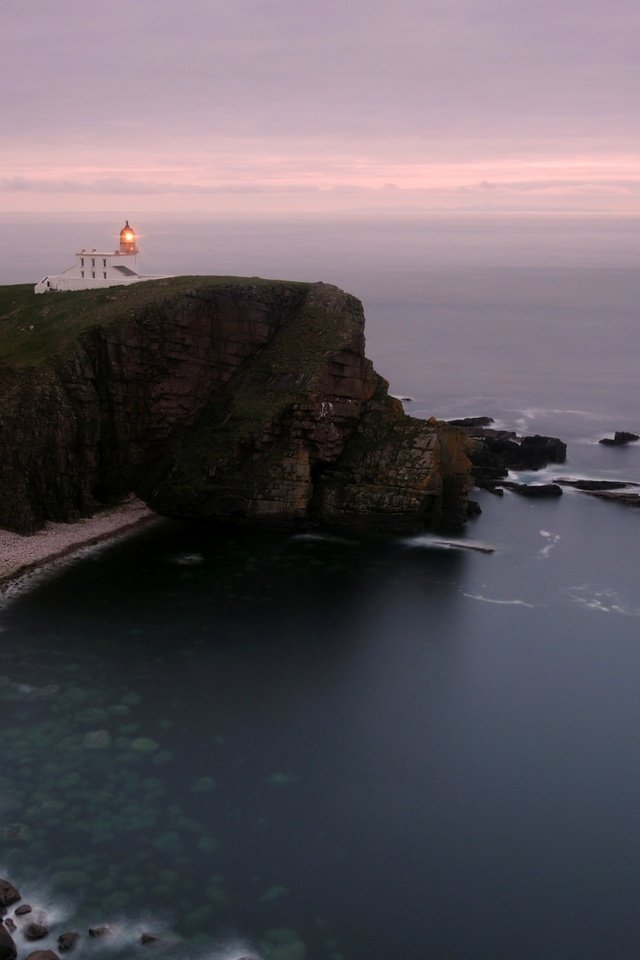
[494,452]
[235,400]
[620,439]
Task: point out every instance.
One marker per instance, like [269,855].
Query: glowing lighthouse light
[94,268]
[128,239]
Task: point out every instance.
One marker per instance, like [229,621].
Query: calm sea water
[341,748]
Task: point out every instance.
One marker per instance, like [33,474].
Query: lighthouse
[95,268]
[128,242]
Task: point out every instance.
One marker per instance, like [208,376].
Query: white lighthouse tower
[95,268]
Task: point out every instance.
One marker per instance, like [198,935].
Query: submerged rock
[626,499]
[144,745]
[96,740]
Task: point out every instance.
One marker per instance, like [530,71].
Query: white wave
[125,932]
[502,603]
[235,948]
[533,413]
[47,909]
[187,559]
[603,600]
[552,540]
[544,475]
[321,538]
[429,542]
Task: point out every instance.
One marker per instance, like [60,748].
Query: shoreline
[22,554]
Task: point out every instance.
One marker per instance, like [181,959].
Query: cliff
[235,399]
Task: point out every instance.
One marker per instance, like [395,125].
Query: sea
[334,747]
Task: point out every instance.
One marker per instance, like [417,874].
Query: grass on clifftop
[35,327]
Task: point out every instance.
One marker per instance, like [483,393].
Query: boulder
[99,931]
[10,924]
[22,909]
[67,941]
[7,946]
[36,931]
[43,955]
[537,451]
[8,894]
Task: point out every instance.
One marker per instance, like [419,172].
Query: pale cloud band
[284,105]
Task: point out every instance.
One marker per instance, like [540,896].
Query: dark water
[337,748]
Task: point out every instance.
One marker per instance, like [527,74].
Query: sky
[282,107]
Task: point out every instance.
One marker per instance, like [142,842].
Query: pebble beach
[21,554]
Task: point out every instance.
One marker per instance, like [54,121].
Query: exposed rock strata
[236,400]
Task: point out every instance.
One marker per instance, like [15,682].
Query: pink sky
[271,106]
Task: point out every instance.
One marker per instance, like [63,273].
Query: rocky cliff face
[241,400]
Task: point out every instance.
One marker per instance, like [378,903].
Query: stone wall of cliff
[231,399]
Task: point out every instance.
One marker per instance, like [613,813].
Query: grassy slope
[34,327]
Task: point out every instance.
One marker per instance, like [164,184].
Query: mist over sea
[308,748]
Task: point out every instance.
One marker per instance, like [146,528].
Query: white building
[94,268]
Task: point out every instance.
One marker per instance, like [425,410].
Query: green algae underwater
[154,780]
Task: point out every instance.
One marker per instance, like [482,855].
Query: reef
[236,400]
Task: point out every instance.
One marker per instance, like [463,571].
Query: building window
[104,263]
[93,274]
[82,261]
[105,274]
[93,261]
[82,273]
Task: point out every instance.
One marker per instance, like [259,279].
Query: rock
[626,499]
[620,439]
[23,909]
[595,484]
[8,949]
[36,931]
[472,422]
[42,955]
[10,924]
[494,452]
[537,451]
[8,894]
[100,931]
[147,939]
[67,941]
[244,401]
[536,490]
